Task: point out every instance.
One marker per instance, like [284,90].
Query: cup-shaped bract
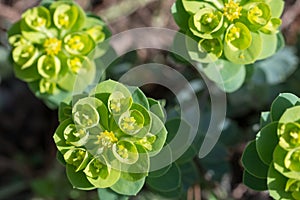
[108,137]
[272,161]
[233,23]
[52,44]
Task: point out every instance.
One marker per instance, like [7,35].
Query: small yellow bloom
[106,139]
[52,46]
[75,43]
[232,10]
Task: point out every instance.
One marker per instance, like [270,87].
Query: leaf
[78,179]
[265,119]
[269,45]
[158,129]
[156,108]
[138,96]
[279,158]
[266,141]
[246,56]
[192,6]
[106,193]
[227,75]
[280,66]
[129,188]
[276,185]
[64,112]
[110,86]
[160,172]
[279,106]
[252,163]
[59,136]
[194,52]
[290,115]
[277,7]
[109,180]
[171,180]
[254,182]
[180,16]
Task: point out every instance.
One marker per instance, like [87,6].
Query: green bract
[52,44]
[233,23]
[272,161]
[107,138]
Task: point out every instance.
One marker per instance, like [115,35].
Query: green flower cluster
[107,138]
[54,42]
[239,31]
[272,160]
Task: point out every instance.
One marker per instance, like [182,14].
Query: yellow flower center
[52,46]
[232,10]
[128,123]
[234,33]
[115,105]
[39,22]
[63,20]
[106,139]
[75,65]
[122,151]
[75,43]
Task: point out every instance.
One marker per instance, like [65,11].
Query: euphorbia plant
[52,44]
[106,139]
[226,35]
[272,160]
[237,31]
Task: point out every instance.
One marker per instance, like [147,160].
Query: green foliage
[232,33]
[107,138]
[52,44]
[271,161]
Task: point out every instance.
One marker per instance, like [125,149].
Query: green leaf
[129,188]
[180,16]
[252,162]
[171,180]
[269,45]
[244,56]
[199,54]
[277,7]
[78,179]
[279,156]
[192,6]
[59,136]
[64,112]
[227,75]
[105,194]
[266,141]
[156,108]
[158,129]
[160,172]
[291,115]
[107,175]
[110,86]
[29,74]
[276,185]
[281,104]
[138,96]
[254,182]
[265,119]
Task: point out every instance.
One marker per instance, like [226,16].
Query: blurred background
[28,167]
